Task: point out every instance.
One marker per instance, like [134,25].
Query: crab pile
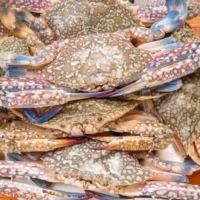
[83,106]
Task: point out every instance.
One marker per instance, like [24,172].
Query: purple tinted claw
[37,6]
[165,68]
[33,93]
[177,14]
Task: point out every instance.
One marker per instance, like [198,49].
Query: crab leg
[162,189]
[37,145]
[37,6]
[164,69]
[35,62]
[127,143]
[184,168]
[37,93]
[28,192]
[19,130]
[20,28]
[145,135]
[23,169]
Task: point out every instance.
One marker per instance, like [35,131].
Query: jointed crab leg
[162,189]
[37,145]
[28,192]
[163,69]
[49,95]
[37,6]
[28,170]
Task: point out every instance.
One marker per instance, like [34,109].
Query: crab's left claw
[177,14]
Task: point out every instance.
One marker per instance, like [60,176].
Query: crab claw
[169,190]
[177,14]
[33,93]
[29,192]
[165,68]
[36,6]
[127,143]
[38,145]
[24,169]
[44,145]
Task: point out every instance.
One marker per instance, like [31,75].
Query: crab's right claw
[177,14]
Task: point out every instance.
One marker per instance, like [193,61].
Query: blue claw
[171,86]
[18,157]
[177,14]
[33,117]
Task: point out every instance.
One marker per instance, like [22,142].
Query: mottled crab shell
[181,110]
[4,32]
[96,62]
[13,45]
[88,116]
[184,34]
[82,17]
[107,168]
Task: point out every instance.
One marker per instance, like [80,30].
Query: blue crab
[68,19]
[73,58]
[151,11]
[180,110]
[115,172]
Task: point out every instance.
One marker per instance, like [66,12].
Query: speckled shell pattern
[82,17]
[184,115]
[96,62]
[101,167]
[37,6]
[88,116]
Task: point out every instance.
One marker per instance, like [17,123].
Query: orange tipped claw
[127,143]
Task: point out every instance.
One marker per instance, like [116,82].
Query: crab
[69,19]
[74,165]
[151,11]
[180,110]
[73,58]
